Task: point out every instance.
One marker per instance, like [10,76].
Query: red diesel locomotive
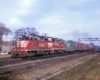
[37,45]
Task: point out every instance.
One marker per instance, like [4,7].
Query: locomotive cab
[28,46]
[21,47]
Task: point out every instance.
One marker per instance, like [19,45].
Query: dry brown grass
[93,74]
[89,70]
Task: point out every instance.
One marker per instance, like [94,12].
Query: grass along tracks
[89,70]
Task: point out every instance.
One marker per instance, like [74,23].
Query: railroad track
[9,61]
[19,68]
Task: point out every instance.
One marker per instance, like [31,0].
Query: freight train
[29,46]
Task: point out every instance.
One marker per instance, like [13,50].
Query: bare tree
[27,30]
[3,31]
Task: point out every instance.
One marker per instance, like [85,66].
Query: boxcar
[96,48]
[91,47]
[76,46]
[85,47]
[69,46]
[80,46]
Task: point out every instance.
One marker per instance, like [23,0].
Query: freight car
[73,46]
[97,48]
[91,47]
[28,46]
[69,46]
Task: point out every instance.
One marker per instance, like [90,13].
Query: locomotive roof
[47,37]
[40,36]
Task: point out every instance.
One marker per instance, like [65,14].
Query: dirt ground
[5,55]
[42,73]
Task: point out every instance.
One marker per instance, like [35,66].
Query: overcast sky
[67,19]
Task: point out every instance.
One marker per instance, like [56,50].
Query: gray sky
[67,19]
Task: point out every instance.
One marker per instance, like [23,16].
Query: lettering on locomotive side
[57,44]
[42,44]
[22,43]
[50,45]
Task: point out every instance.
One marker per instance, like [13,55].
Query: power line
[89,39]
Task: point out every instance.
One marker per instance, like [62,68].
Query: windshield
[23,37]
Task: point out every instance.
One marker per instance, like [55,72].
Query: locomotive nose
[22,43]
